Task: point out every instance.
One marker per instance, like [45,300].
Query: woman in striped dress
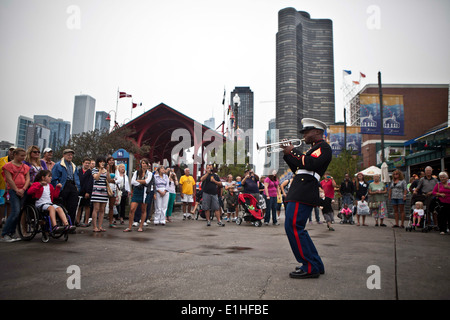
[99,193]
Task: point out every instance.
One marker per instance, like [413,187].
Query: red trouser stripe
[294,222]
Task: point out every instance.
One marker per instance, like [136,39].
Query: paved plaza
[188,260]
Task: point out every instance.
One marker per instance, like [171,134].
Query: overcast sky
[184,53]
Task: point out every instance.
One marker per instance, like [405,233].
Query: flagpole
[223,106]
[117,105]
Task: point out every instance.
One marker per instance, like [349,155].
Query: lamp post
[380,92]
[237,103]
[108,117]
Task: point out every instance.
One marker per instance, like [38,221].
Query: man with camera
[210,202]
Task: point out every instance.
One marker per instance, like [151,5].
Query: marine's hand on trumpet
[287,146]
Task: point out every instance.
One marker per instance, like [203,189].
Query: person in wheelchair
[43,191]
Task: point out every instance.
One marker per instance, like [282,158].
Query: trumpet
[277,146]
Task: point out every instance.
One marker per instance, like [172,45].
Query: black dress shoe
[300,274]
[298,268]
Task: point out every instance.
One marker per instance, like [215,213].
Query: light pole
[237,103]
[380,92]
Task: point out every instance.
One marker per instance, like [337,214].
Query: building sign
[393,114]
[336,139]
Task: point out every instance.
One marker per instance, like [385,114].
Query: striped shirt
[99,191]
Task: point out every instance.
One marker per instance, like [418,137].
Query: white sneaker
[8,238]
[135,224]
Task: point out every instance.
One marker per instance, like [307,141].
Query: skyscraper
[245,115]
[304,72]
[22,127]
[83,114]
[102,121]
[59,130]
[271,160]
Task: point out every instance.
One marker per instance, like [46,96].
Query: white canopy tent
[371,171]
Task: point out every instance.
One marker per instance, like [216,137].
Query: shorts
[328,216]
[138,195]
[210,202]
[45,206]
[395,202]
[187,198]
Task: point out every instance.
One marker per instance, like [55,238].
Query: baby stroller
[423,220]
[252,212]
[346,214]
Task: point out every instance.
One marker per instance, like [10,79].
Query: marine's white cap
[310,123]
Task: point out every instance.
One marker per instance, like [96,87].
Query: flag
[362,74]
[133,105]
[124,95]
[347,72]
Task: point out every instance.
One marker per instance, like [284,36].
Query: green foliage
[345,162]
[96,143]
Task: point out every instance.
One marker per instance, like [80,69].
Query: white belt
[311,173]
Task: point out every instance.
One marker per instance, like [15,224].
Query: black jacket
[86,181]
[305,187]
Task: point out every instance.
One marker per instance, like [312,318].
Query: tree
[233,166]
[345,162]
[96,143]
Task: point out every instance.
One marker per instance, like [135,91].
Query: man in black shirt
[303,196]
[210,202]
[347,190]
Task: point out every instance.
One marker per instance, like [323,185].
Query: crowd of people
[373,196]
[100,187]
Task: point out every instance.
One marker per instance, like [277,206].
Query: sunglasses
[35,151]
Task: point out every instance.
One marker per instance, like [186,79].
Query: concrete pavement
[188,260]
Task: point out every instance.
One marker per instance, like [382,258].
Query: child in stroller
[418,213]
[252,212]
[347,214]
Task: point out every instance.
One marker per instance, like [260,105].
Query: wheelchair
[33,221]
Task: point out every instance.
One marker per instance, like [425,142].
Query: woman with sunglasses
[33,160]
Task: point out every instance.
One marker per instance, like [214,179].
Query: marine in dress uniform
[303,196]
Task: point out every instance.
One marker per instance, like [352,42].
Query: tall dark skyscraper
[304,72]
[245,115]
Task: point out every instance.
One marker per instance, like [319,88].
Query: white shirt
[45,198]
[122,181]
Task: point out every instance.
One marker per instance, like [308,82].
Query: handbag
[110,192]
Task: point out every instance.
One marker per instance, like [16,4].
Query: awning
[414,140]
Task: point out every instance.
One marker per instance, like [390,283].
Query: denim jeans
[317,214]
[11,222]
[271,205]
